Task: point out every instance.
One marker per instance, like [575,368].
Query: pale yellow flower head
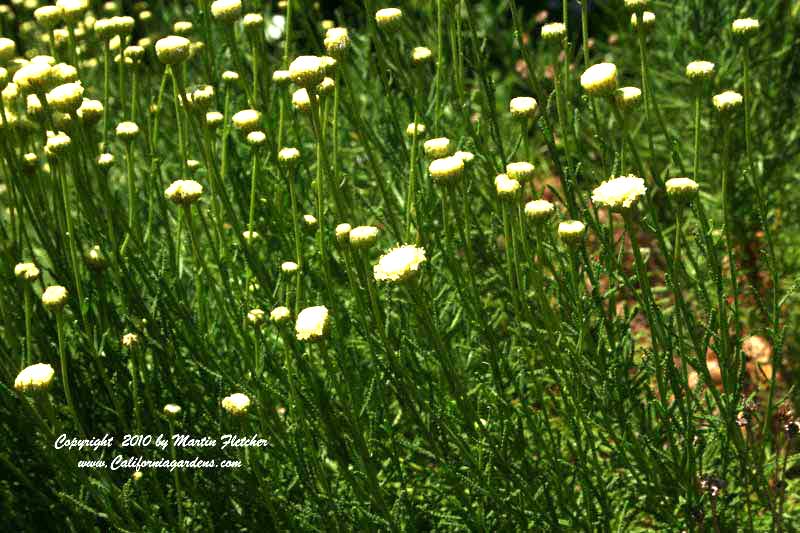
[288,156]
[256,138]
[415,127]
[466,157]
[636,5]
[438,147]
[34,378]
[48,16]
[342,232]
[250,236]
[520,170]
[388,17]
[337,41]
[247,120]
[506,187]
[571,232]
[727,101]
[539,210]
[744,27]
[312,323]
[173,49]
[619,194]
[289,267]
[57,143]
[281,77]
[90,111]
[682,189]
[399,264]
[236,404]
[279,314]
[130,340]
[307,71]
[255,316]
[127,131]
[184,192]
[600,79]
[226,10]
[26,271]
[648,17]
[421,54]
[523,107]
[8,49]
[555,31]
[172,410]
[627,97]
[700,70]
[54,298]
[214,119]
[182,27]
[363,236]
[301,100]
[446,169]
[33,77]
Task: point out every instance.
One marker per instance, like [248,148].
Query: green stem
[62,355]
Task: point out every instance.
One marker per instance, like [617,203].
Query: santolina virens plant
[465,266]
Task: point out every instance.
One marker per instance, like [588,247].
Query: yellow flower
[54,298]
[26,271]
[399,264]
[523,107]
[506,187]
[520,171]
[415,127]
[130,340]
[439,147]
[256,138]
[301,100]
[727,101]
[48,16]
[289,267]
[307,71]
[34,378]
[682,189]
[247,120]
[337,41]
[571,232]
[555,31]
[421,54]
[184,192]
[279,314]
[182,27]
[636,5]
[33,77]
[127,131]
[226,10]
[363,236]
[255,316]
[388,17]
[236,404]
[699,70]
[627,97]
[446,169]
[648,17]
[173,49]
[600,79]
[342,232]
[172,410]
[539,210]
[744,27]
[288,156]
[312,323]
[619,194]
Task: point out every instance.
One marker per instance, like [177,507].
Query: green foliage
[636,378]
